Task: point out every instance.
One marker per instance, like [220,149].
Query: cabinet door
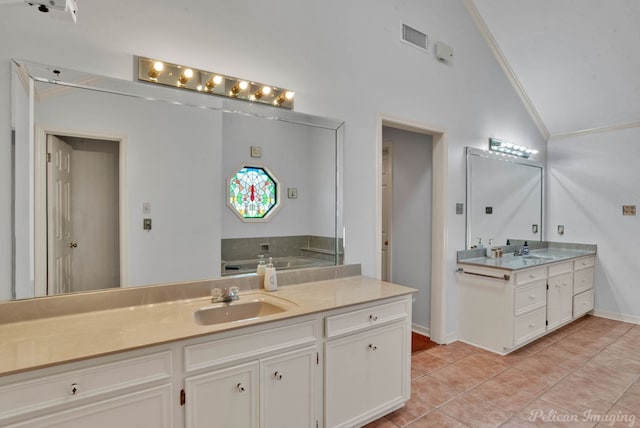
[225,398]
[365,373]
[559,300]
[147,408]
[288,383]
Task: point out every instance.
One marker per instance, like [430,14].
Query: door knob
[73,245]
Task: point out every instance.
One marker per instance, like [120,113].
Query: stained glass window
[253,193]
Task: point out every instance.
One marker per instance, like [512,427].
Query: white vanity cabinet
[502,310]
[123,392]
[559,294]
[367,368]
[262,378]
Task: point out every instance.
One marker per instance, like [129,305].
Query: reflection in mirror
[504,199]
[121,184]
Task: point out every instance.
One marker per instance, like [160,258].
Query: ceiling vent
[415,37]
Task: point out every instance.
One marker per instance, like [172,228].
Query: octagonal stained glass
[253,193]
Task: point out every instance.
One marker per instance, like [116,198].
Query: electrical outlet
[560,229]
[488,210]
[534,228]
[146,224]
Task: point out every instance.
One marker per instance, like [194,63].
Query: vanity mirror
[504,199]
[120,184]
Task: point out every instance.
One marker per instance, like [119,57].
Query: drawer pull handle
[240,387]
[373,347]
[75,388]
[277,375]
[373,317]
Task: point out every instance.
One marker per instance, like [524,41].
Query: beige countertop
[38,343]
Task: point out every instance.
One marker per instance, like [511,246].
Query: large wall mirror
[120,184]
[504,198]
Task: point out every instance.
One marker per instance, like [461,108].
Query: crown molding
[504,64]
[599,130]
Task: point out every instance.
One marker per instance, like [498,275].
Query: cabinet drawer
[50,391]
[530,325]
[531,275]
[248,345]
[582,280]
[365,318]
[560,268]
[584,263]
[530,296]
[582,303]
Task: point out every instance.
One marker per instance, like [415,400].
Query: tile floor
[587,370]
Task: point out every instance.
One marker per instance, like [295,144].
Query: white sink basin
[248,307]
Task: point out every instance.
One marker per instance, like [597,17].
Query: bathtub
[280,263]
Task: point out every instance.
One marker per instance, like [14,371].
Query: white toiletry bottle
[262,266]
[489,251]
[270,279]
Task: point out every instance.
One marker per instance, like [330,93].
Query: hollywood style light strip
[510,148]
[179,76]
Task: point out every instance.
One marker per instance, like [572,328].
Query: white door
[387,202]
[288,384]
[226,398]
[59,232]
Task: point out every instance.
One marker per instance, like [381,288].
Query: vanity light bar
[180,76]
[507,148]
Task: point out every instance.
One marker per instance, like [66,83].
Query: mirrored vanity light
[507,148]
[178,76]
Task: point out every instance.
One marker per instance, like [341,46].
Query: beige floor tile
[381,423]
[631,398]
[437,419]
[434,391]
[617,417]
[452,352]
[412,410]
[423,363]
[579,395]
[613,360]
[475,412]
[469,372]
[547,415]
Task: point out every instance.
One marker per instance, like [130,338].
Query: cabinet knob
[277,375]
[373,317]
[75,388]
[373,347]
[240,387]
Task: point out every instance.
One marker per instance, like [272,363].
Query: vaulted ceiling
[575,63]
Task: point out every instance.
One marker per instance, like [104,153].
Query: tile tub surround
[590,367]
[279,246]
[43,342]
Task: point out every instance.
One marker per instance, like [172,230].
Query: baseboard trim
[451,337]
[424,331]
[633,319]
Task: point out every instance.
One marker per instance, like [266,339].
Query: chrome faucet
[224,295]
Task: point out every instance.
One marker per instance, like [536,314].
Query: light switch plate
[256,151]
[560,229]
[459,208]
[146,208]
[292,192]
[628,210]
[146,224]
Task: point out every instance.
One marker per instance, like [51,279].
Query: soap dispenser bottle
[270,279]
[525,249]
[489,251]
[260,270]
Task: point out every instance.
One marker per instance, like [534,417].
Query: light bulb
[155,71]
[158,66]
[289,95]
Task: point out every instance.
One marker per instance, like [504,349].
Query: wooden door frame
[440,161]
[40,202]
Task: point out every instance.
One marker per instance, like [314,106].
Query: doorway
[82,217]
[414,219]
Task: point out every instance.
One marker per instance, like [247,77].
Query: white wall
[299,156]
[178,174]
[343,59]
[411,217]
[589,178]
